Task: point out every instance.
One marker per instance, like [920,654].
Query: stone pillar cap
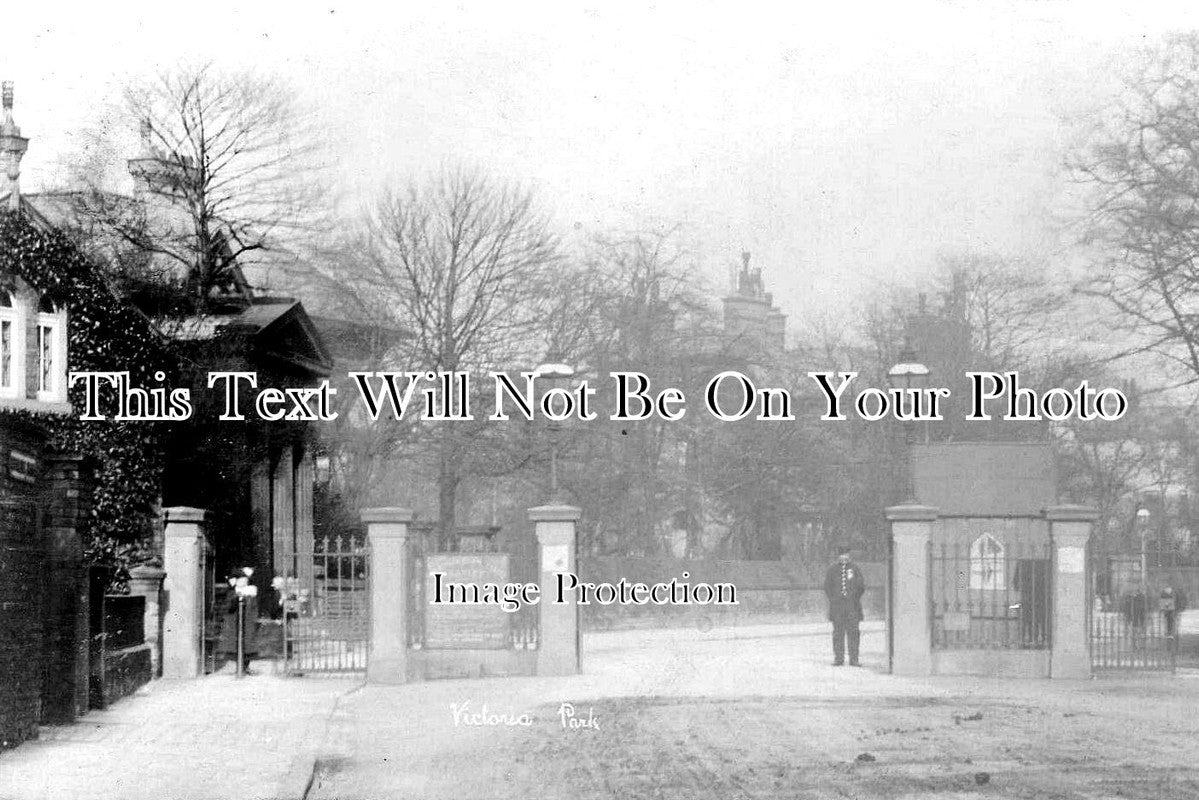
[912,512]
[555,513]
[389,514]
[184,514]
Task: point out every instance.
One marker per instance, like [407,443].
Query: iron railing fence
[1132,623]
[991,594]
[326,607]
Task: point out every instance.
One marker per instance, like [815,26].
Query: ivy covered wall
[105,333]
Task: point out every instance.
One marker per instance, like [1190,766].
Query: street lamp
[559,375]
[908,374]
[244,590]
[1143,526]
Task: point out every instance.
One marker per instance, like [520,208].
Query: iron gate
[1132,623]
[326,607]
[991,593]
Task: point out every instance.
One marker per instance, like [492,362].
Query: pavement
[215,737]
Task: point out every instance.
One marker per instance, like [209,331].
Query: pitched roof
[279,328]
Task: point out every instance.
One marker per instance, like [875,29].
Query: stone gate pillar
[146,581]
[183,593]
[911,613]
[558,645]
[387,533]
[1069,534]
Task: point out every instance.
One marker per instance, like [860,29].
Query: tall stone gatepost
[558,646]
[1069,533]
[183,593]
[387,534]
[911,630]
[146,581]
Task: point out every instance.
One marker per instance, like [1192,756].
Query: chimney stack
[158,172]
[12,148]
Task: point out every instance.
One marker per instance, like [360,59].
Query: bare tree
[459,263]
[226,173]
[1140,163]
[1012,308]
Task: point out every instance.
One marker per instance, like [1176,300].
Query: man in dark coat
[844,587]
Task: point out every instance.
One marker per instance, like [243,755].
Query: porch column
[261,520]
[911,613]
[558,643]
[387,533]
[1069,534]
[183,593]
[304,477]
[283,512]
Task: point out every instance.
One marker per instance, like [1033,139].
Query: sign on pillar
[559,644]
[387,534]
[910,629]
[183,593]
[1070,533]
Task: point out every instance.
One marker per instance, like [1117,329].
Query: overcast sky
[842,144]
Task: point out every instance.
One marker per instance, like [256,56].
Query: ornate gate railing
[991,593]
[1131,626]
[326,607]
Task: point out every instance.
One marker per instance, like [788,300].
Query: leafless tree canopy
[230,167]
[1142,164]
[461,260]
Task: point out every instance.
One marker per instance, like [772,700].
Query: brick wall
[66,629]
[21,565]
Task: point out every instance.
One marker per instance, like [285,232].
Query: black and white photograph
[496,401]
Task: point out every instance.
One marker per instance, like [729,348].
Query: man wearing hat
[844,587]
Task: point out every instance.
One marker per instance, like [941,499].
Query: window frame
[15,315]
[56,323]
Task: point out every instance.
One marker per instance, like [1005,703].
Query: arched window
[51,351]
[12,346]
[988,569]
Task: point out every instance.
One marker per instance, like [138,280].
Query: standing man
[844,586]
[1172,603]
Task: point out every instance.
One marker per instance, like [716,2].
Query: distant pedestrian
[1134,608]
[1172,603]
[844,587]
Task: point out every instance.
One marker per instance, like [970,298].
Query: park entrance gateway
[988,570]
[412,639]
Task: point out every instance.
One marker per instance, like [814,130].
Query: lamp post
[244,590]
[559,375]
[906,375]
[1143,527]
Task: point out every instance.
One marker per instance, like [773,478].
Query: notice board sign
[466,625]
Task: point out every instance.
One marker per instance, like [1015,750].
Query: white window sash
[54,326]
